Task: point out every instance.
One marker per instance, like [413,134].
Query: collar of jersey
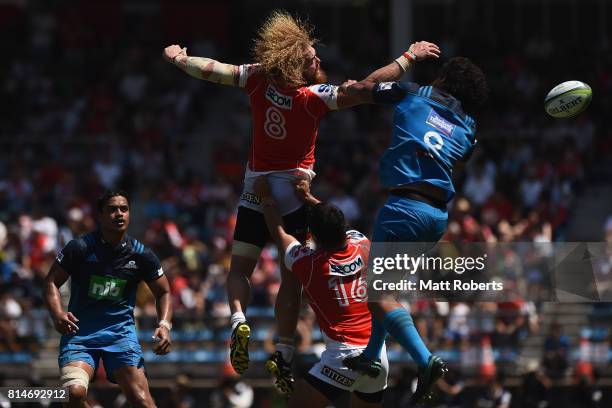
[122,245]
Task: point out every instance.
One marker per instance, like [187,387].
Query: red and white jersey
[285,121]
[335,284]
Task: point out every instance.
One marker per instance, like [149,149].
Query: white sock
[287,350]
[236,319]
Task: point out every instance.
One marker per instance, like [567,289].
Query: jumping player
[431,132]
[106,266]
[288,97]
[333,277]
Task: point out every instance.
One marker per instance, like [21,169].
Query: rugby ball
[568,99]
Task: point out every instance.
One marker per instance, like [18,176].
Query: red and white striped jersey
[285,121]
[335,284]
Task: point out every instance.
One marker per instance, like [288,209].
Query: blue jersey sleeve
[71,255]
[390,93]
[152,268]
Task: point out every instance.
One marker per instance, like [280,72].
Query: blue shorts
[406,220]
[112,359]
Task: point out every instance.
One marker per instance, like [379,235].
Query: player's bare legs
[238,294]
[134,385]
[287,307]
[238,285]
[286,311]
[77,394]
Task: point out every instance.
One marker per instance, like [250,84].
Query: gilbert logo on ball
[568,99]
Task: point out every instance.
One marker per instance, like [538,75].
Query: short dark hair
[108,194]
[464,80]
[328,225]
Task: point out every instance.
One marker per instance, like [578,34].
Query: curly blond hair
[281,46]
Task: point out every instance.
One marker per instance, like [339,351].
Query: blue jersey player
[432,131]
[105,267]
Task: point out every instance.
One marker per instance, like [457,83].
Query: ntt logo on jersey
[346,268]
[280,100]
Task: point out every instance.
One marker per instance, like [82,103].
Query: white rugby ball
[568,99]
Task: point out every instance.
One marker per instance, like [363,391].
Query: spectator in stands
[451,390]
[232,393]
[535,387]
[556,352]
[494,395]
[479,185]
[180,394]
[585,393]
[10,311]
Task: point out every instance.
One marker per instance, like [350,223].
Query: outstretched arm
[418,51]
[392,72]
[202,68]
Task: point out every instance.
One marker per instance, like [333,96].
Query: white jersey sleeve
[296,251]
[327,93]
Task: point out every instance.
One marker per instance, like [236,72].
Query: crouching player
[333,278]
[106,266]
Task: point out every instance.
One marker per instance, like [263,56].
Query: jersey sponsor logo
[440,123]
[278,99]
[105,287]
[346,268]
[336,376]
[131,265]
[250,198]
[325,88]
[92,258]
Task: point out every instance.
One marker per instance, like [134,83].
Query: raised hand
[424,50]
[173,51]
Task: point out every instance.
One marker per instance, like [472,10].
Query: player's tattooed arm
[418,51]
[202,68]
[274,221]
[64,322]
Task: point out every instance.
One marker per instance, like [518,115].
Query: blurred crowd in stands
[87,107]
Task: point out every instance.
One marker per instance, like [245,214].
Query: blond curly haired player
[288,97]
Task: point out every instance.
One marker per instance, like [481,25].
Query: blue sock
[377,340]
[399,324]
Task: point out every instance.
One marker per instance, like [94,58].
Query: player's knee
[244,253]
[77,381]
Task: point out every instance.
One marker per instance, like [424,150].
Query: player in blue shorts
[105,267]
[431,133]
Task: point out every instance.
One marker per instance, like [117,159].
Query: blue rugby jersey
[104,280]
[430,133]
